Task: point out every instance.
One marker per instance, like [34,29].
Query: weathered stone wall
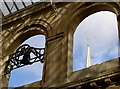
[106,73]
[58,28]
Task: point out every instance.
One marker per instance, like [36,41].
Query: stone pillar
[55,69]
[118,20]
[0,50]
[4,57]
[4,78]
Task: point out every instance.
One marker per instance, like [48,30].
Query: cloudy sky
[102,30]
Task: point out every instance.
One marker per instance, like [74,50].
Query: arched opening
[102,29]
[30,73]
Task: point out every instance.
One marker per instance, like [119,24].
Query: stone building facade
[58,28]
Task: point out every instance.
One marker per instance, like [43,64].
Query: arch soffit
[97,7]
[34,27]
[78,15]
[38,23]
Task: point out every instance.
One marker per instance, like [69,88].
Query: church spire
[89,60]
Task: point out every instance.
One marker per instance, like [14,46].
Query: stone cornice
[55,37]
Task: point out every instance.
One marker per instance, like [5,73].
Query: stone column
[4,78]
[55,69]
[118,20]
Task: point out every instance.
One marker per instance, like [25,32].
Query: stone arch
[89,28]
[77,16]
[80,12]
[35,27]
[35,70]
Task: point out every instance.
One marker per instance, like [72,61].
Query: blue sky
[101,27]
[29,73]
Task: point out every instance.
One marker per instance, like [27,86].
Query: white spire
[89,60]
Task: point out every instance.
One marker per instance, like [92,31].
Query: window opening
[30,73]
[101,27]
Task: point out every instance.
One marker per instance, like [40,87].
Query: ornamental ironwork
[24,55]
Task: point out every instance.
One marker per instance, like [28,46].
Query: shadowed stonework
[42,18]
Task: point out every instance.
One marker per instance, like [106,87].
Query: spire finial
[88,38]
